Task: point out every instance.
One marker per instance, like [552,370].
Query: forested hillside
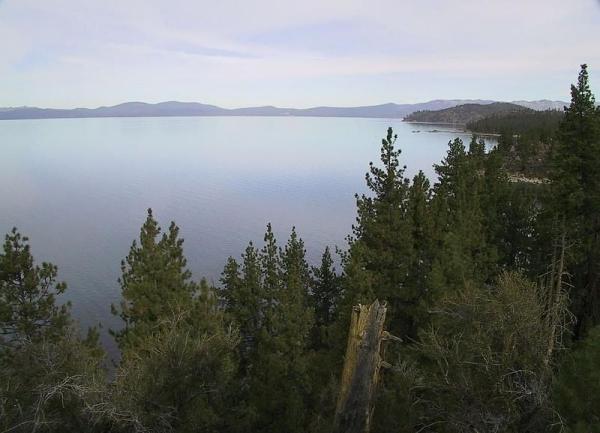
[526,137]
[541,124]
[465,113]
[493,287]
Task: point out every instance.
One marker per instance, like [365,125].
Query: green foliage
[381,250]
[271,278]
[577,388]
[285,360]
[178,352]
[51,385]
[154,281]
[540,125]
[243,296]
[327,343]
[326,294]
[454,261]
[466,113]
[48,375]
[461,233]
[575,198]
[525,139]
[397,405]
[485,359]
[28,310]
[269,300]
[177,377]
[463,253]
[510,210]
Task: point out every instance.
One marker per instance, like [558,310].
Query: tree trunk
[361,369]
[556,283]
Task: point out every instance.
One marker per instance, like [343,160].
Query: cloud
[63,52]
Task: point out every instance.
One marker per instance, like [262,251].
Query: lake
[79,188]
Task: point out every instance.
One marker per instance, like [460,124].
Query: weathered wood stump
[362,363]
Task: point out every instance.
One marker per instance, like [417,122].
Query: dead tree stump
[361,368]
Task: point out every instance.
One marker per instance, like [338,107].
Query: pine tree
[510,212]
[575,156]
[383,261]
[295,321]
[48,374]
[179,376]
[244,299]
[244,305]
[279,384]
[231,280]
[575,198]
[477,149]
[154,280]
[452,171]
[462,251]
[381,248]
[271,277]
[326,290]
[28,309]
[327,344]
[293,303]
[577,386]
[178,347]
[419,211]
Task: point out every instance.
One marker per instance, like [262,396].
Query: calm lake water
[79,188]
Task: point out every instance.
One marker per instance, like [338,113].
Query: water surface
[79,188]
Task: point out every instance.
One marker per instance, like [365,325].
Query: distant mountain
[128,109]
[543,104]
[463,114]
[174,108]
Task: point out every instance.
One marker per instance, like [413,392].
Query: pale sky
[300,53]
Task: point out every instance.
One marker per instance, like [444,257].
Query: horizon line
[280,107]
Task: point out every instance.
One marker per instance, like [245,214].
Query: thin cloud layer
[66,53]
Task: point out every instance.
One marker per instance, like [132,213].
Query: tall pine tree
[155,280]
[381,248]
[462,251]
[268,298]
[575,198]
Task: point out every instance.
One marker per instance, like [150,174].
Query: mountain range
[174,108]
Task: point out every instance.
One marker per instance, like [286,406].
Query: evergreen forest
[490,273]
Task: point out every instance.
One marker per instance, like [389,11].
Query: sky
[300,53]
